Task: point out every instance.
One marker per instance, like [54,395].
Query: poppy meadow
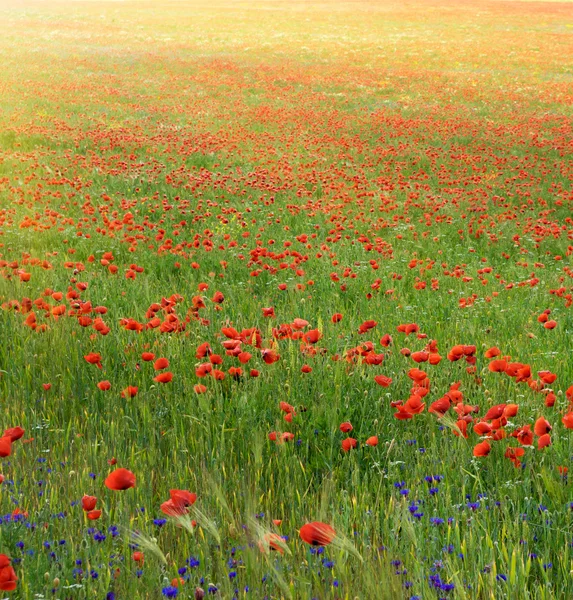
[286,300]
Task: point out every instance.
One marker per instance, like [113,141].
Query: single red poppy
[271,541]
[5,446]
[129,392]
[120,479]
[541,427]
[8,579]
[164,377]
[88,503]
[161,363]
[93,358]
[14,433]
[495,412]
[482,449]
[317,533]
[383,380]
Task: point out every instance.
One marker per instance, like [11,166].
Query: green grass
[383,133]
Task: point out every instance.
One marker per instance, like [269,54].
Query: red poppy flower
[510,410]
[161,363]
[244,357]
[524,435]
[14,433]
[383,380]
[482,428]
[148,356]
[129,392]
[336,318]
[495,412]
[541,427]
[348,444]
[178,503]
[93,358]
[547,377]
[544,441]
[270,356]
[440,407]
[346,427]
[5,446]
[463,428]
[417,375]
[415,405]
[366,326]
[317,533]
[8,579]
[165,377]
[386,340]
[372,441]
[272,541]
[93,515]
[420,357]
[120,479]
[286,407]
[299,323]
[497,366]
[482,449]
[88,503]
[104,385]
[492,352]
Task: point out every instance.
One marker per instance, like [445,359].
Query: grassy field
[348,228]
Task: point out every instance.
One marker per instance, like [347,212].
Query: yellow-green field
[286,296]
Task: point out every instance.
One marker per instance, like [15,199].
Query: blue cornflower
[170,591]
[193,562]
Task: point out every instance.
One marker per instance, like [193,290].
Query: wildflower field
[286,294]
